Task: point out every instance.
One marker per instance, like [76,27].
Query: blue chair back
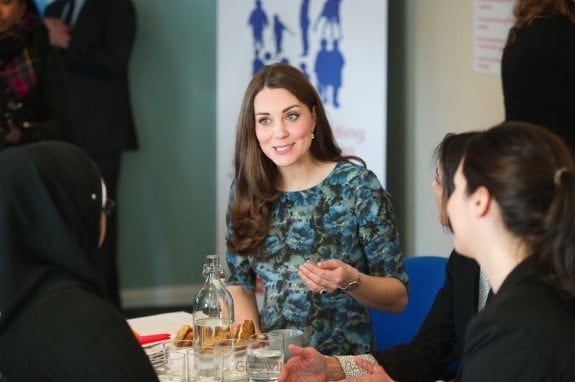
[426,276]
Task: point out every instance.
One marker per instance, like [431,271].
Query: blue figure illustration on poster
[324,67]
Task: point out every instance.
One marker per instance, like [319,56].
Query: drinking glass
[172,349]
[174,369]
[290,336]
[265,357]
[231,360]
[204,361]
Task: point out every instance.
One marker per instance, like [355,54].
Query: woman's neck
[502,260]
[304,176]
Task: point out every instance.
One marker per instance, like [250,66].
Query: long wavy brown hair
[525,11]
[254,184]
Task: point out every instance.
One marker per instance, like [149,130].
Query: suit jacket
[525,334]
[99,109]
[439,341]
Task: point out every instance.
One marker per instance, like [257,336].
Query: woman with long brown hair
[317,228]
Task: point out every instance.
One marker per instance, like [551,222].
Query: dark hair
[529,172]
[255,174]
[31,7]
[447,155]
[526,11]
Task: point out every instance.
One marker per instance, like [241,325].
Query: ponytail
[556,251]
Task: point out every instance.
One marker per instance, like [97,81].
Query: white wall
[439,93]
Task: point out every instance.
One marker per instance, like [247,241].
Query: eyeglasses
[437,178]
[109,207]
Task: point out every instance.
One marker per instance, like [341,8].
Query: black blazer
[99,109]
[527,333]
[439,341]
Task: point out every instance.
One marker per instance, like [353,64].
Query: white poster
[491,22]
[341,45]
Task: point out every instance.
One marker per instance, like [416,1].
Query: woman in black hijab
[54,323]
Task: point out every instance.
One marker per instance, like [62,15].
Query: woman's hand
[387,294]
[306,365]
[326,275]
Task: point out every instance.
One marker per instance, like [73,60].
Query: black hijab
[50,208]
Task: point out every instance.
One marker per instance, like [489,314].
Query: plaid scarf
[19,67]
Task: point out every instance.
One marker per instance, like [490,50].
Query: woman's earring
[312,135]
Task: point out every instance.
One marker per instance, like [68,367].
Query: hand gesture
[306,365]
[326,275]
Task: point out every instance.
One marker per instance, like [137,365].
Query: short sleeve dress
[348,216]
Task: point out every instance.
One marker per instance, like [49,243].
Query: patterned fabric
[19,72]
[348,216]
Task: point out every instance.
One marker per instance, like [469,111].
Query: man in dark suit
[96,39]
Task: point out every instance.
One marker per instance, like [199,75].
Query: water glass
[172,349]
[203,357]
[265,357]
[231,360]
[290,336]
[174,368]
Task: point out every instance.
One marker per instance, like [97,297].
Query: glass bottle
[213,307]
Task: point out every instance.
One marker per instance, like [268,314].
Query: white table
[161,323]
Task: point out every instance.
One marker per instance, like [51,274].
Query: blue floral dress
[348,216]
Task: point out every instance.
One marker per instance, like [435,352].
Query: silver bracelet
[352,284]
[349,366]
